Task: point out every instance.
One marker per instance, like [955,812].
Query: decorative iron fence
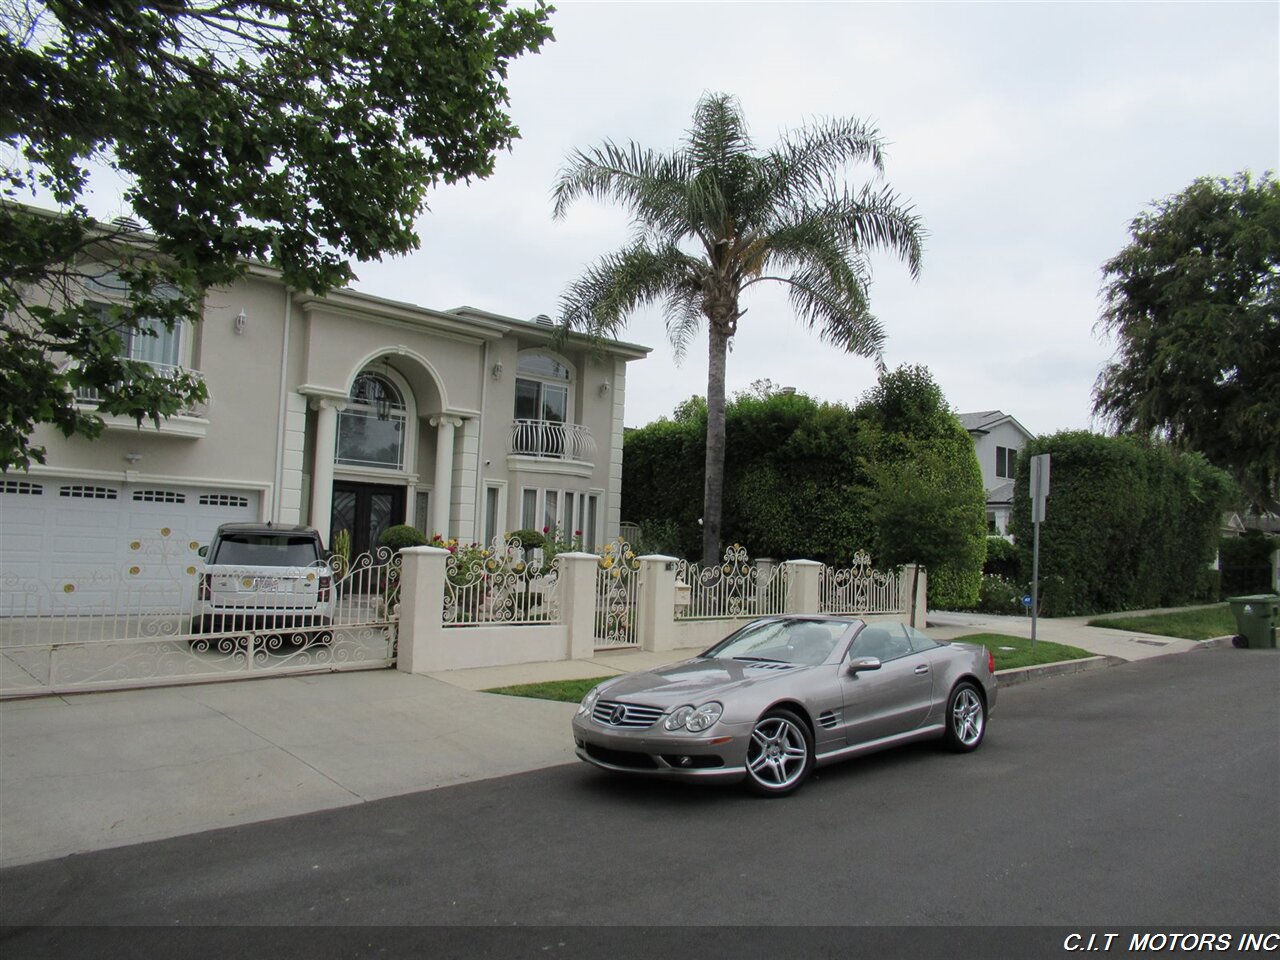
[859,588]
[617,586]
[734,589]
[116,628]
[502,583]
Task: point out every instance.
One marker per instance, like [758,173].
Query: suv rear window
[266,550]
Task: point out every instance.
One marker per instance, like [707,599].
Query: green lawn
[568,691]
[1018,651]
[1202,623]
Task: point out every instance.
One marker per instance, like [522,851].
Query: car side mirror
[859,664]
[203,551]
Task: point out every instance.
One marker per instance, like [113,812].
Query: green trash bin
[1257,618]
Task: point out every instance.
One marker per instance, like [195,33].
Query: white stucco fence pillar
[656,603]
[422,579]
[578,602]
[803,591]
[920,601]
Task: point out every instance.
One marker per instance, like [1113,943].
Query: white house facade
[343,412]
[997,439]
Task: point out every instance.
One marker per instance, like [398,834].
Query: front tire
[966,718]
[779,754]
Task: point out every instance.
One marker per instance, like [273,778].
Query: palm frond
[807,162]
[718,135]
[650,184]
[601,300]
[869,219]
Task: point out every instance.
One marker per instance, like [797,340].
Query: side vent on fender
[827,720]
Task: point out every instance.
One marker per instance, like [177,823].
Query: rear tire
[966,718]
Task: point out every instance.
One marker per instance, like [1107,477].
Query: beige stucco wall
[259,431]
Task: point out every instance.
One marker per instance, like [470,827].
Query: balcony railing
[92,395]
[552,440]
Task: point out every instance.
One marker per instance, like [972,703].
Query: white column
[322,466]
[803,589]
[442,493]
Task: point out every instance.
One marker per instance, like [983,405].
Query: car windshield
[266,550]
[781,641]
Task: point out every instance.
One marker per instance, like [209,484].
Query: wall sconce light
[133,457]
[604,389]
[242,321]
[496,372]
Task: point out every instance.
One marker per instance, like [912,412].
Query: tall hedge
[1130,523]
[799,474]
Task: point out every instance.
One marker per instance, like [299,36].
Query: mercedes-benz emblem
[619,714]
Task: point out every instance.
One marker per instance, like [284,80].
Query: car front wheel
[779,755]
[966,718]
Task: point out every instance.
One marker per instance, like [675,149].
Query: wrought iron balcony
[91,396]
[552,440]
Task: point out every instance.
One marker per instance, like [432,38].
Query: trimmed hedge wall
[799,475]
[1129,524]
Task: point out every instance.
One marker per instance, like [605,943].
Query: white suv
[260,576]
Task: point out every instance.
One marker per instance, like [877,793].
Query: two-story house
[343,411]
[997,440]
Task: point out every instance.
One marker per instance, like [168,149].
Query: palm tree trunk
[713,491]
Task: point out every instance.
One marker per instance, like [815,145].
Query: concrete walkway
[91,771]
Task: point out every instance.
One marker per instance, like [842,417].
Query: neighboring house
[345,411]
[997,439]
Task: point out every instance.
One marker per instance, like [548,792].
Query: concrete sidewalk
[91,771]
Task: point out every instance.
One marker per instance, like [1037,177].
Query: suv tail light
[206,589]
[991,661]
[323,594]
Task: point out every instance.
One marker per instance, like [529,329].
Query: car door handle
[923,668]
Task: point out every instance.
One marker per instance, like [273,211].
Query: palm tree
[715,218]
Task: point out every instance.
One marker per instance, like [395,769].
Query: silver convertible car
[785,694]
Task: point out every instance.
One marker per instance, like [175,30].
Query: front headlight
[589,701]
[693,720]
[704,716]
[678,717]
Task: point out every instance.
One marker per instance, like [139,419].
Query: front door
[365,509]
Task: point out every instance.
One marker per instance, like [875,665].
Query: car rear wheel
[779,754]
[966,718]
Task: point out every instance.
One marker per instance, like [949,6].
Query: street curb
[1016,675]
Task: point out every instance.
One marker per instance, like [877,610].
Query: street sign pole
[1039,493]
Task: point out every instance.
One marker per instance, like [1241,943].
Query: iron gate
[130,627]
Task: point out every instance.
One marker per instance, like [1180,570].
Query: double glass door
[366,510]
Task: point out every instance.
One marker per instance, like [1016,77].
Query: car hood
[696,680]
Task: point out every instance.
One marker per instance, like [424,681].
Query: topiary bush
[400,536]
[529,539]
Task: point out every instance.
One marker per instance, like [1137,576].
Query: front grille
[611,713]
[622,758]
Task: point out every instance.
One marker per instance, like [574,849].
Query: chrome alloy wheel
[967,717]
[778,755]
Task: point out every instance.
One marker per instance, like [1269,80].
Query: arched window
[371,430]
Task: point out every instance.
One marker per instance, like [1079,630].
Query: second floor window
[542,389]
[1006,461]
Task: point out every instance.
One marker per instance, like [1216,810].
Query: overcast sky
[1027,136]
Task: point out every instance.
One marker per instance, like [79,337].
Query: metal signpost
[1039,493]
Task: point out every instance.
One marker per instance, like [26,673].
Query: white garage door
[90,543]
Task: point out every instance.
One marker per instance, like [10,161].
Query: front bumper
[717,754]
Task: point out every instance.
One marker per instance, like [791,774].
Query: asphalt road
[1147,794]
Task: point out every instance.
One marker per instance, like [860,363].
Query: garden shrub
[1245,563]
[1002,559]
